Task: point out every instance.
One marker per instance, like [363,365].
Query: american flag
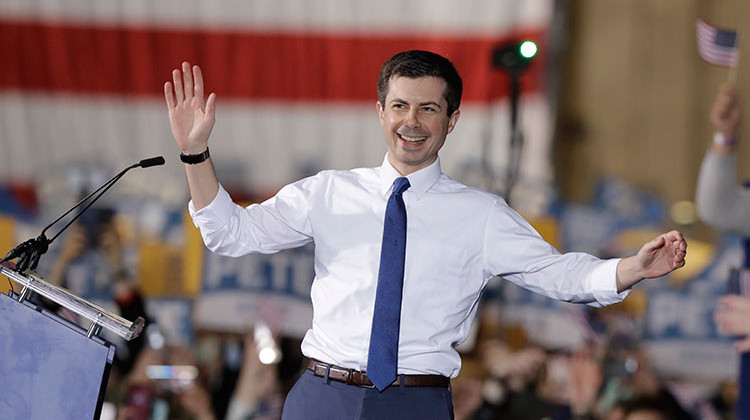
[717,46]
[295,82]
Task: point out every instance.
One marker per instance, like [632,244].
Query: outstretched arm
[656,258]
[191,117]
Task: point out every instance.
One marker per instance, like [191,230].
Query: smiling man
[416,116]
[402,251]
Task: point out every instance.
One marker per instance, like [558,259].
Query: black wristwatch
[193,159]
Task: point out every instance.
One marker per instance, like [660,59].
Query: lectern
[52,368]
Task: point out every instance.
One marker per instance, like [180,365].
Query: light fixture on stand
[514,58]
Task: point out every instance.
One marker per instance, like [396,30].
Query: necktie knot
[400,185]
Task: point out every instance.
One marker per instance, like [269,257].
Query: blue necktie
[382,361]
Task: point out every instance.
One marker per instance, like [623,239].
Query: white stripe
[728,60]
[352,16]
[258,145]
[717,55]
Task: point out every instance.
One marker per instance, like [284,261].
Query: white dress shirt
[458,237]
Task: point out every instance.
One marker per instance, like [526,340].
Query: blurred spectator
[646,407]
[90,261]
[534,383]
[468,402]
[518,387]
[584,382]
[733,318]
[90,264]
[257,394]
[639,382]
[724,204]
[721,201]
[165,383]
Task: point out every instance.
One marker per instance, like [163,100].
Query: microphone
[154,161]
[31,250]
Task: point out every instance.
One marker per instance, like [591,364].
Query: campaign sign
[275,289]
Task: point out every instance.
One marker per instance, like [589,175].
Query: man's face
[415,121]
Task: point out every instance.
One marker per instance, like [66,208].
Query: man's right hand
[191,116]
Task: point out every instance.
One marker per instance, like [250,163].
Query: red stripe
[242,65]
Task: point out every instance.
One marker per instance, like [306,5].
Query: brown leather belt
[355,377]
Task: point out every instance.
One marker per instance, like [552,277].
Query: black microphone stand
[29,252]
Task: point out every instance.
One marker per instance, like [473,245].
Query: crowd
[502,376]
[227,381]
[220,375]
[499,379]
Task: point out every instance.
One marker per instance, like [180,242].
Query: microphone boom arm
[31,250]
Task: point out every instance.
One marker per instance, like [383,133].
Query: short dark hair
[417,63]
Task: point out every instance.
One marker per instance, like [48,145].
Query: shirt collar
[420,181]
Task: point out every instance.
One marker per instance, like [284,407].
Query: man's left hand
[658,257]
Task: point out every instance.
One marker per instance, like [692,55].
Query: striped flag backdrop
[81,81]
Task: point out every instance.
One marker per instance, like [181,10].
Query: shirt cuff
[604,283]
[215,214]
[722,140]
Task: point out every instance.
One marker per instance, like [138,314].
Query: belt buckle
[371,386]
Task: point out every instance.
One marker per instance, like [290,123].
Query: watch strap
[193,159]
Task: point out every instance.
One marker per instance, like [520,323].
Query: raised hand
[257,381]
[726,113]
[584,382]
[733,318]
[191,116]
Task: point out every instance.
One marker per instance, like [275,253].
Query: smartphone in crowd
[174,378]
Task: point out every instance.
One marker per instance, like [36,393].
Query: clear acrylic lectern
[51,368]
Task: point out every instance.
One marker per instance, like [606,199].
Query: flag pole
[732,76]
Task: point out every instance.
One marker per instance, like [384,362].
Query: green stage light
[514,56]
[528,49]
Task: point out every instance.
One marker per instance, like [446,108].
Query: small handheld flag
[719,47]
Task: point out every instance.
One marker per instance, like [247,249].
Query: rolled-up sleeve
[278,223]
[214,215]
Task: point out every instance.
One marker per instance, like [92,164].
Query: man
[724,204]
[392,298]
